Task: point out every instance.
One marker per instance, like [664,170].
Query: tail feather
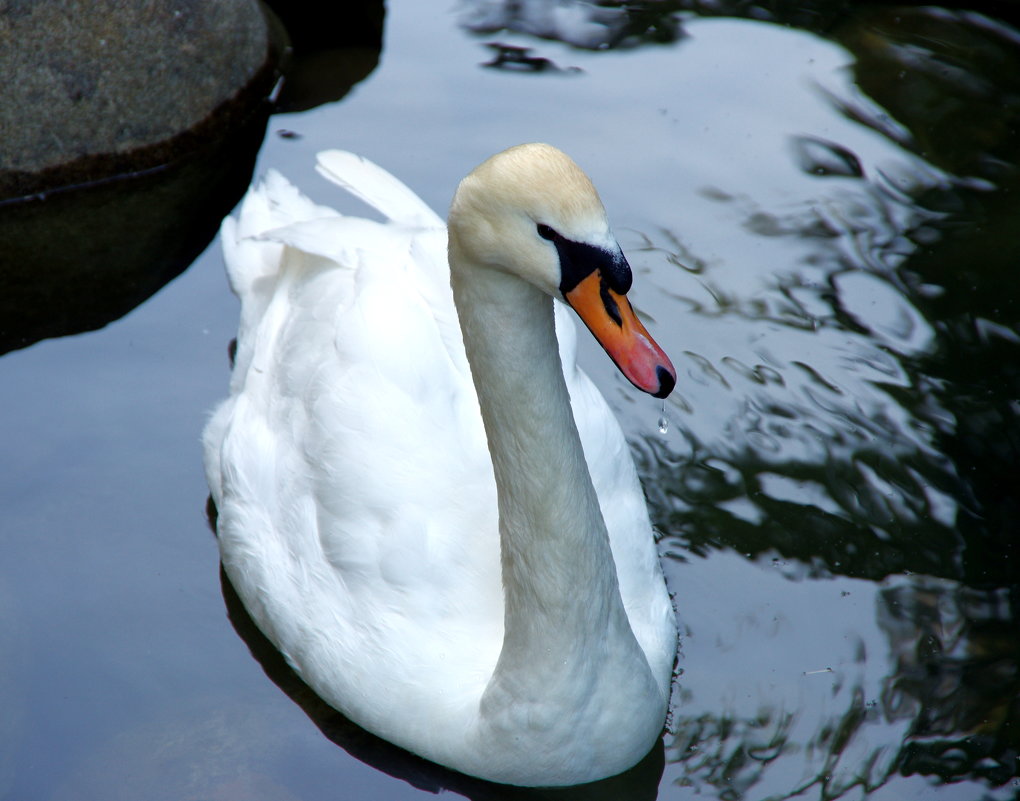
[275,214]
[373,185]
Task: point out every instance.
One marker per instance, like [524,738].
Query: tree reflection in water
[897,461]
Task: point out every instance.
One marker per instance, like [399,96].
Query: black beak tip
[666,382]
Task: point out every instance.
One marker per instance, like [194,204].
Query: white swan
[357,490]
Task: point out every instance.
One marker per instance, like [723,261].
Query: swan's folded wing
[349,452]
[351,390]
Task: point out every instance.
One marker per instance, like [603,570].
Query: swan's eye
[546,232]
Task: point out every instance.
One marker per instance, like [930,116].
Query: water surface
[822,227]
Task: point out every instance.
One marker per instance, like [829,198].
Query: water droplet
[663,424]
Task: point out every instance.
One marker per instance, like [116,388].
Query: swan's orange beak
[611,319]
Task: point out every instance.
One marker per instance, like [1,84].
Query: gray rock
[127,131]
[93,78]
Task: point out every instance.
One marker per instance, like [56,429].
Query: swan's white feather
[349,466]
[373,185]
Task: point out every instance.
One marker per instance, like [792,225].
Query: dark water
[821,210]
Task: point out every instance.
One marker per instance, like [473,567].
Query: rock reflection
[333,47]
[80,257]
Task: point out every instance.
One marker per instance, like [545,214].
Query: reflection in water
[593,26]
[948,78]
[878,433]
[818,157]
[952,79]
[333,47]
[79,258]
[519,59]
[782,688]
[955,678]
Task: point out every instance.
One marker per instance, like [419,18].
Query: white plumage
[356,497]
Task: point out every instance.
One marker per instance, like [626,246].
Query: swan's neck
[565,626]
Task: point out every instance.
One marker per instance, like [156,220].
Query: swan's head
[531,211]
